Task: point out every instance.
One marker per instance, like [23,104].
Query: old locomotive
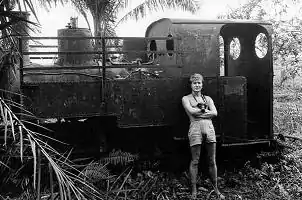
[115,84]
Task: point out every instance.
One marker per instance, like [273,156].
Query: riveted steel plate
[234,108]
[47,100]
[140,103]
[147,102]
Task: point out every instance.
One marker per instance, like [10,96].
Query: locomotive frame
[151,95]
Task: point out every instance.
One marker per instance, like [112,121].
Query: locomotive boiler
[148,77]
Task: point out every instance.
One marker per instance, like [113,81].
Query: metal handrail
[132,66]
[103,52]
[98,38]
[99,52]
[56,46]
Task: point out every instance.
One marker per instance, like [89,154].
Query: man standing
[201,110]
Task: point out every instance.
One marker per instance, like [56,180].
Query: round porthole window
[235,48]
[261,45]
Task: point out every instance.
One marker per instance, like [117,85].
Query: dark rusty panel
[202,39]
[259,74]
[199,46]
[49,100]
[155,102]
[147,102]
[234,109]
[211,88]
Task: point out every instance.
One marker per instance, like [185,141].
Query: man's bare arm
[186,104]
[209,113]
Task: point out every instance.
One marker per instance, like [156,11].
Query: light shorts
[201,130]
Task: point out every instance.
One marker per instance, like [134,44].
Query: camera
[202,106]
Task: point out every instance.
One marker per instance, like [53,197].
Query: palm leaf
[47,137]
[30,5]
[21,142]
[33,149]
[19,5]
[118,178]
[2,112]
[35,124]
[67,180]
[122,185]
[5,165]
[5,126]
[141,10]
[96,172]
[12,125]
[119,157]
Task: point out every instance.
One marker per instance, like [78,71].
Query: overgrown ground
[267,175]
[274,176]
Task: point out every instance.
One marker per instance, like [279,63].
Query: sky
[58,17]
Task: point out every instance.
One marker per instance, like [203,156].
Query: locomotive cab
[253,61]
[236,59]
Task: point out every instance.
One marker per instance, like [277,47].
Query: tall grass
[288,108]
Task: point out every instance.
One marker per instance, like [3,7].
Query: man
[201,110]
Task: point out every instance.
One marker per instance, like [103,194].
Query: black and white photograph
[150,99]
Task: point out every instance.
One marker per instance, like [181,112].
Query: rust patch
[237,90]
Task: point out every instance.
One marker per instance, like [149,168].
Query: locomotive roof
[217,21]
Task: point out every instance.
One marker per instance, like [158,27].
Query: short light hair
[196,77]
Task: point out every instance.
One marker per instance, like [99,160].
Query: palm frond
[97,172]
[4,117]
[119,157]
[5,165]
[68,181]
[81,7]
[146,6]
[33,148]
[21,142]
[125,179]
[11,124]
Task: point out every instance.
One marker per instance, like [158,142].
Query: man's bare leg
[195,153]
[211,151]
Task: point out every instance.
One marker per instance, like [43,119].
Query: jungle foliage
[285,16]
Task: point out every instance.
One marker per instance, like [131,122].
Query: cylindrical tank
[135,44]
[75,45]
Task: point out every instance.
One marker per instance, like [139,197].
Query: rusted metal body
[75,45]
[149,94]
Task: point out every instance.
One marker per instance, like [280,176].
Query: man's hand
[208,114]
